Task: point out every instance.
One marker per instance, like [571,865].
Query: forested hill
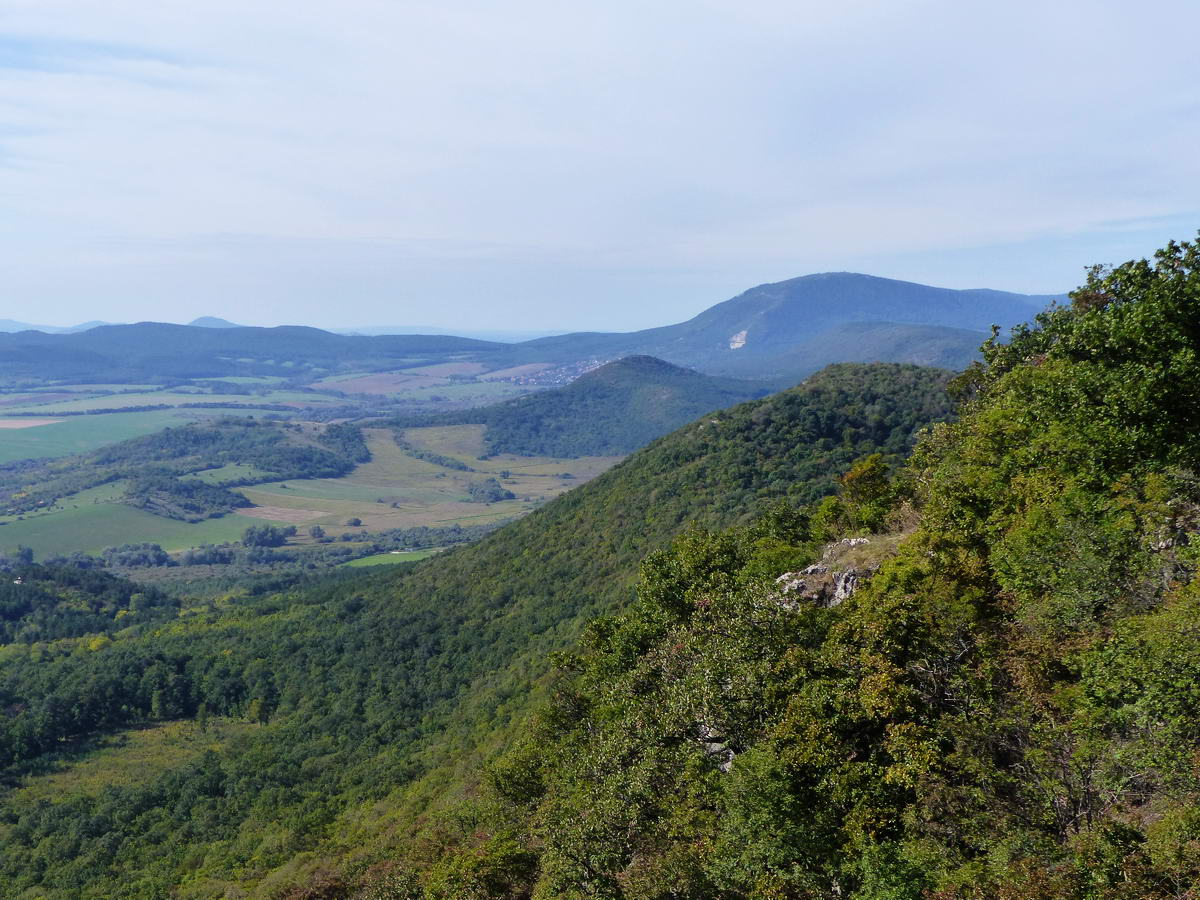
[610,411]
[581,552]
[1003,704]
[371,698]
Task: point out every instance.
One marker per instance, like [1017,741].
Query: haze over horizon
[562,168]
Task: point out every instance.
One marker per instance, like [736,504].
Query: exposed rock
[844,586]
[714,745]
[831,581]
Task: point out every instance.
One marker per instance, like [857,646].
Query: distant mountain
[865,342]
[792,328]
[212,322]
[612,410]
[775,332]
[505,336]
[11,326]
[134,353]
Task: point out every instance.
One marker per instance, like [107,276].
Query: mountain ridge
[765,332]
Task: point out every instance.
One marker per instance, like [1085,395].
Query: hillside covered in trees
[1005,707]
[772,654]
[610,411]
[373,696]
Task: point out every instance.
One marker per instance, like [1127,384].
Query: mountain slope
[865,342]
[609,411]
[372,695]
[780,331]
[745,334]
[1001,703]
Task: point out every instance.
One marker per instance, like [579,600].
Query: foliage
[48,603]
[1007,708]
[610,411]
[489,490]
[152,464]
[373,688]
[438,459]
[267,535]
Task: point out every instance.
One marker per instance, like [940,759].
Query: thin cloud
[271,162]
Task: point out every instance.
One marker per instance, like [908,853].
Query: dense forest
[372,695]
[850,640]
[1006,705]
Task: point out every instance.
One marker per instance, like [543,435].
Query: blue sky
[556,165]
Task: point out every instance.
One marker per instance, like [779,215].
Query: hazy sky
[604,165]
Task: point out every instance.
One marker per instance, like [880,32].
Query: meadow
[390,558]
[393,490]
[397,490]
[79,434]
[176,397]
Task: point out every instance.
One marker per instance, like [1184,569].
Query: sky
[545,165]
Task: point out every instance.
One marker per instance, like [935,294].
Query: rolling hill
[609,411]
[998,700]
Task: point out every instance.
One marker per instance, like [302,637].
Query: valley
[654,630]
[392,490]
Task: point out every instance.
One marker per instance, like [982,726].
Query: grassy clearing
[131,757]
[90,527]
[424,493]
[384,559]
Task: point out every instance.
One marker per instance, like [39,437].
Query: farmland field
[90,527]
[170,398]
[79,434]
[394,489]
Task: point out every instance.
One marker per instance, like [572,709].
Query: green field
[384,559]
[90,388]
[90,527]
[79,434]
[172,398]
[393,490]
[424,493]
